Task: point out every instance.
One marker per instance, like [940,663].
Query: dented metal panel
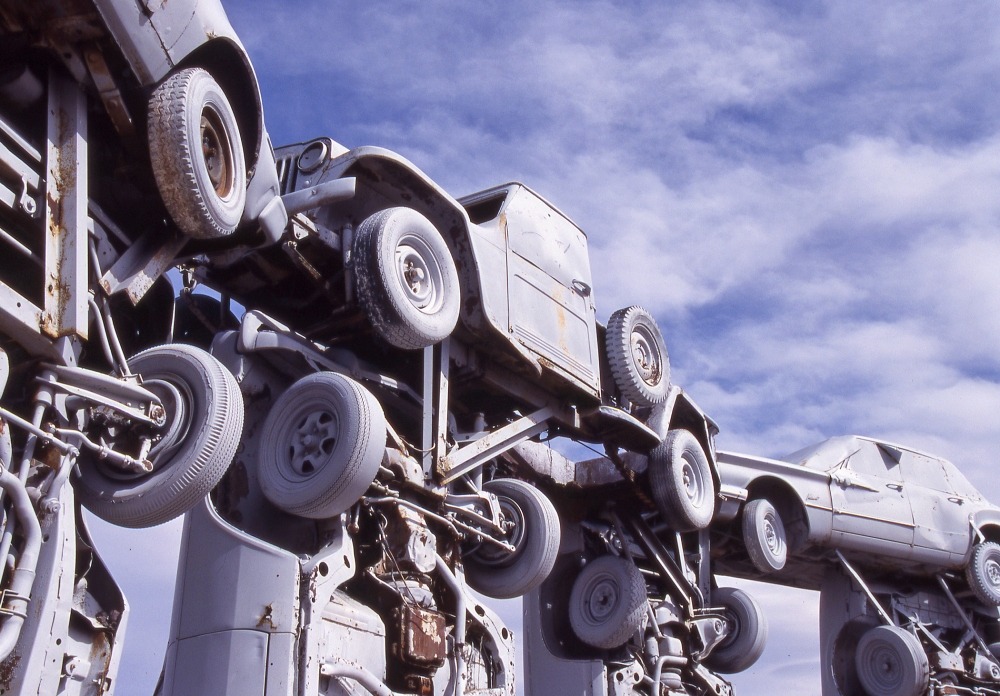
[551,305]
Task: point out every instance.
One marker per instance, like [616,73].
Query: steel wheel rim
[312,438]
[885,667]
[217,153]
[692,481]
[771,538]
[992,567]
[646,355]
[419,274]
[601,598]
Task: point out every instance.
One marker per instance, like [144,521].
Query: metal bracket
[9,595]
[464,459]
[141,265]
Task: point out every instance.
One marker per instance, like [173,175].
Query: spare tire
[637,356]
[608,602]
[197,154]
[321,446]
[891,662]
[406,278]
[204,409]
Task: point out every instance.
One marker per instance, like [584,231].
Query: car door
[941,532]
[871,511]
[551,306]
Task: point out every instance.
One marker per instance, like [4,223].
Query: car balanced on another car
[905,526]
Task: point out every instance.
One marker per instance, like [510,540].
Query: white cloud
[803,193]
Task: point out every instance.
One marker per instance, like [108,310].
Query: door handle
[956,500]
[582,288]
[894,486]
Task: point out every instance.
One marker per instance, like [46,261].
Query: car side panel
[812,487]
[551,308]
[135,34]
[940,516]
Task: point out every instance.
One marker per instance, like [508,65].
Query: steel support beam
[464,459]
[66,310]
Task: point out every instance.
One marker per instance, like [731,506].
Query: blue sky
[804,193]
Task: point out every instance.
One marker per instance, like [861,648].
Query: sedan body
[884,505]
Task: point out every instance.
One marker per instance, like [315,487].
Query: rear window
[484,211]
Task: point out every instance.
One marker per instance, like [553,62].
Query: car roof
[828,453]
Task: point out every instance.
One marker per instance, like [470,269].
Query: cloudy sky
[804,193]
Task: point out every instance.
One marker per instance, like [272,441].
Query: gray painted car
[888,507]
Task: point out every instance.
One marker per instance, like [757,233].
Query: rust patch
[7,670]
[267,619]
[421,638]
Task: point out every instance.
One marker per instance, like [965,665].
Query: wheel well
[399,184]
[991,532]
[231,68]
[789,505]
[687,417]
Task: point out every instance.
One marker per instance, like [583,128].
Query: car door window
[870,460]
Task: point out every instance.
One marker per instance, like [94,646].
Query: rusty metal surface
[142,264]
[420,640]
[66,256]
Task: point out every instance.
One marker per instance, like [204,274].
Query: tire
[199,443]
[891,662]
[406,278]
[197,154]
[983,573]
[608,603]
[764,536]
[681,481]
[637,356]
[321,446]
[744,646]
[535,534]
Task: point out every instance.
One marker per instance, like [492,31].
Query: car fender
[679,411]
[984,526]
[811,488]
[385,179]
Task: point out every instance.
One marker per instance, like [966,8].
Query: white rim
[419,274]
[646,355]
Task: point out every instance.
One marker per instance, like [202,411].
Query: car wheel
[764,536]
[983,573]
[608,603]
[204,422]
[891,662]
[321,446]
[748,632]
[532,528]
[637,356]
[406,278]
[197,154]
[681,482]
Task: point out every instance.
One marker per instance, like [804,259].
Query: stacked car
[910,536]
[356,426]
